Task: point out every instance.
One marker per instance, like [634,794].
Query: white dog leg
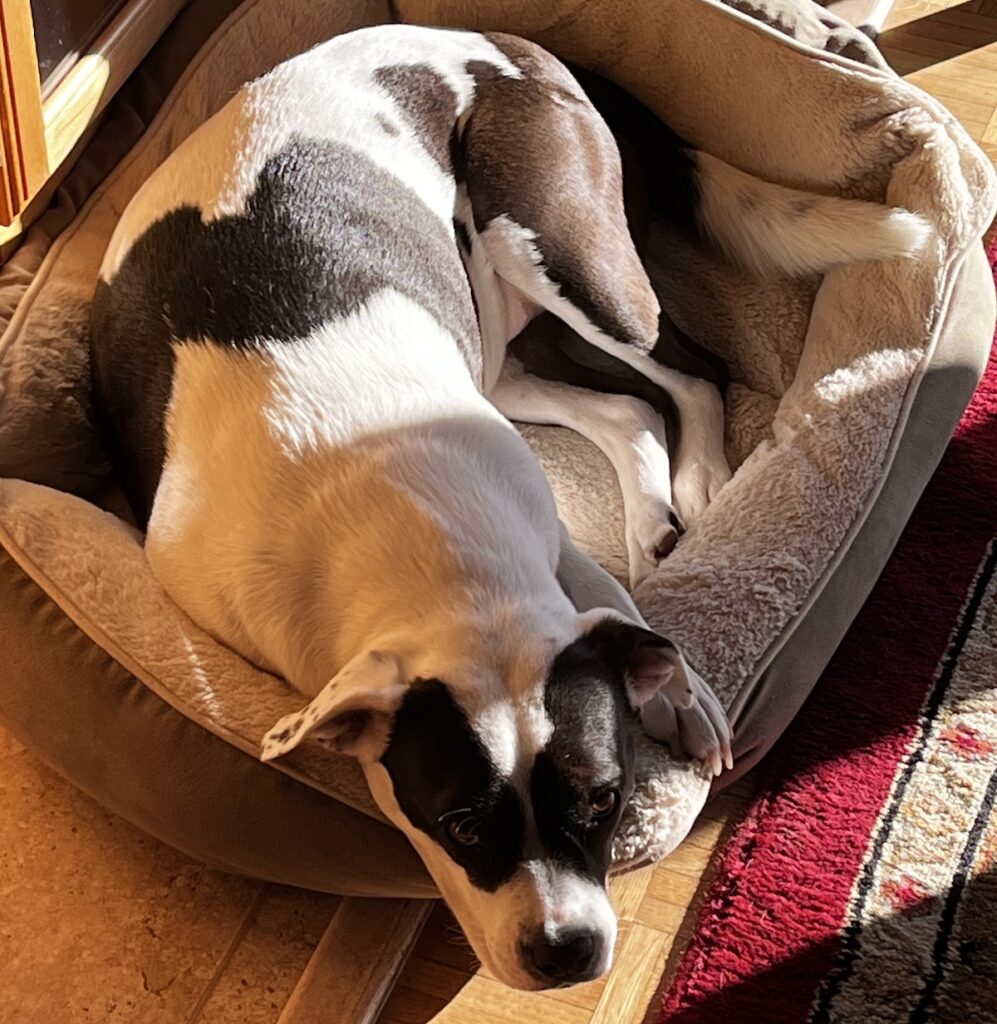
[701,467]
[630,434]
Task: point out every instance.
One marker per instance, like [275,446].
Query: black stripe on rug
[852,933]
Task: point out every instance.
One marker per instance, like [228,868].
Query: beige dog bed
[845,392]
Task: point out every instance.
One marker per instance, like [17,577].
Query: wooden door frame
[23,151]
[37,135]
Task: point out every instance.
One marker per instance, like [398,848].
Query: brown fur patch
[428,104]
[536,151]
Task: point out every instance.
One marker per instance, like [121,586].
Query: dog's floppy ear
[649,662]
[352,713]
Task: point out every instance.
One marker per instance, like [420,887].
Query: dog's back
[282,302]
[312,215]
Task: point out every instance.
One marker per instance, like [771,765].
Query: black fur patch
[665,159]
[428,104]
[590,749]
[437,765]
[324,230]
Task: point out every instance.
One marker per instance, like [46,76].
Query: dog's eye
[464,831]
[603,803]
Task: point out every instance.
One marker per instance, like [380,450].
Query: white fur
[630,434]
[503,310]
[774,229]
[275,420]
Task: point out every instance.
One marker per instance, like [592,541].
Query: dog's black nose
[568,957]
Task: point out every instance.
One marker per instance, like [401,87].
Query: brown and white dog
[299,353]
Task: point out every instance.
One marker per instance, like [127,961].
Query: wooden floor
[950,50]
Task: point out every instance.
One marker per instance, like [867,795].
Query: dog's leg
[701,467]
[628,432]
[543,178]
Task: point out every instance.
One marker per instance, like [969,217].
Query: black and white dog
[299,355]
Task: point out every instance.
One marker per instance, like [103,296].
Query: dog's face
[511,793]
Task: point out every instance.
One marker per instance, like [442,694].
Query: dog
[299,351]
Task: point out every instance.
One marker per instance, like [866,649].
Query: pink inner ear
[650,669]
[344,730]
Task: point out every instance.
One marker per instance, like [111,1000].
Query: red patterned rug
[861,888]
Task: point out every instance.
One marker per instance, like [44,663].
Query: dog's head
[511,789]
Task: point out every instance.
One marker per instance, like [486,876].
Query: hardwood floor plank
[989,133]
[628,890]
[662,915]
[675,886]
[358,960]
[485,1001]
[704,834]
[723,807]
[632,983]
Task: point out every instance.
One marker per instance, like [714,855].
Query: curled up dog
[299,346]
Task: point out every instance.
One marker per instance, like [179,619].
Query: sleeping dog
[299,362]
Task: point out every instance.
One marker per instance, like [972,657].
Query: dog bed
[845,390]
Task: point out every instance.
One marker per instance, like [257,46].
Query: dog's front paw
[696,485]
[700,731]
[651,535]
